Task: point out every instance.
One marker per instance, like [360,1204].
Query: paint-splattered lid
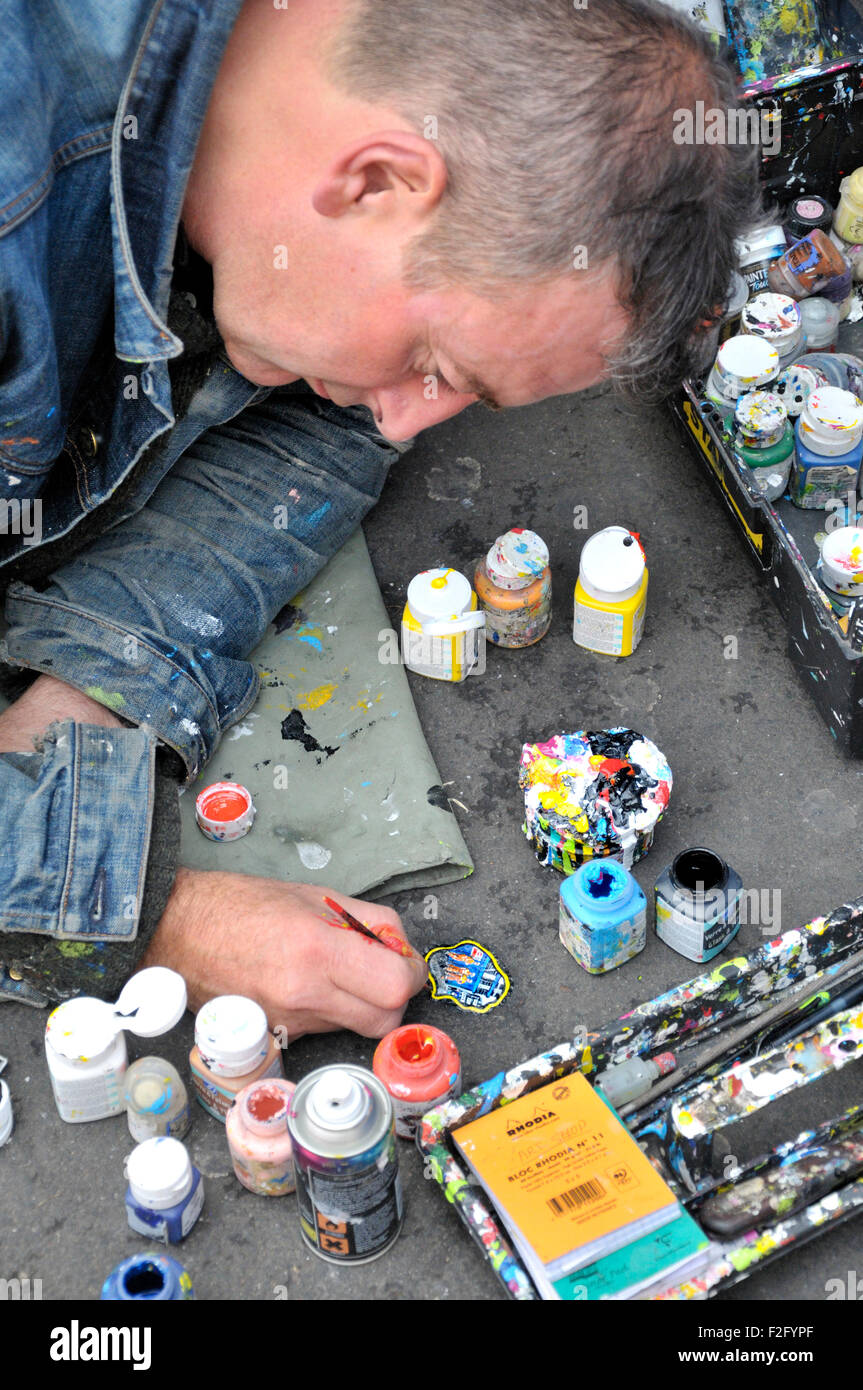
[517,558]
[438,595]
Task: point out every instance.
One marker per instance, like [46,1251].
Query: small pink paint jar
[224,811]
[258,1138]
[420,1068]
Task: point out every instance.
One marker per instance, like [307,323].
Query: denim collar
[156,130]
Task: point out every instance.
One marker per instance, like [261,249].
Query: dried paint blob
[468,976]
[592,795]
[795,385]
[224,811]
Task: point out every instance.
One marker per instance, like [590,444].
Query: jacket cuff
[142,677]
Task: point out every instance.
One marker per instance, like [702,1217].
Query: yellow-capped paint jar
[848,218]
[611,593]
[442,634]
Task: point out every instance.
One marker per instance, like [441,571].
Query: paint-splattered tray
[735,991]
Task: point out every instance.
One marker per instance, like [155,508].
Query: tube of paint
[86,1047]
[258,1138]
[513,585]
[233,1048]
[421,1068]
[6,1117]
[148,1277]
[603,916]
[156,1100]
[166,1191]
[630,1080]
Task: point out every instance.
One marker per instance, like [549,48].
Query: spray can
[147,1277]
[345,1164]
[611,593]
[698,904]
[420,1068]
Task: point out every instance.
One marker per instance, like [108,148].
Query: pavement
[757,777]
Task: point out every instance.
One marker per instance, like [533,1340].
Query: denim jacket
[100,110]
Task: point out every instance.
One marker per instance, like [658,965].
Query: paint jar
[86,1047]
[441,627]
[258,1138]
[795,385]
[513,585]
[420,1068]
[811,266]
[853,253]
[603,916]
[346,1165]
[776,319]
[820,323]
[838,369]
[166,1191]
[807,214]
[593,795]
[156,1101]
[738,293]
[829,448]
[764,441]
[848,221]
[756,251]
[224,811]
[743,363]
[611,592]
[697,901]
[7,1119]
[148,1277]
[840,567]
[233,1048]
[630,1080]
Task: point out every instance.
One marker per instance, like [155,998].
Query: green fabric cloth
[333,753]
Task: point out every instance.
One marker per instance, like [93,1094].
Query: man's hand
[236,934]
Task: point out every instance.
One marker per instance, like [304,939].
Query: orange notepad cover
[563,1168]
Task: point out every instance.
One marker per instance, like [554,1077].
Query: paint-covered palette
[592,795]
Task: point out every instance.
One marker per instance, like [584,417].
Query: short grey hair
[556,126]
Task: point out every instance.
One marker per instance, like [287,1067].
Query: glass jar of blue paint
[603,915]
[166,1191]
[147,1278]
[697,901]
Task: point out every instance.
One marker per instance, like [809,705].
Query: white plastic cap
[159,1172]
[612,562]
[439,594]
[6,1117]
[82,1029]
[842,560]
[151,1002]
[338,1100]
[231,1034]
[517,558]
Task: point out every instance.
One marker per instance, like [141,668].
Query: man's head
[415,204]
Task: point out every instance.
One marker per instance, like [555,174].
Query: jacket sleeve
[156,618]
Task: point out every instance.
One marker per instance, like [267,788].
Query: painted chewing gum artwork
[728,994]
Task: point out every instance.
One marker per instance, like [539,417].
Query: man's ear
[397,163]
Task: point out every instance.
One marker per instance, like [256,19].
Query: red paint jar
[420,1068]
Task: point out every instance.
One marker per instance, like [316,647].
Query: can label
[89,1098]
[217,1100]
[351,1216]
[408,1113]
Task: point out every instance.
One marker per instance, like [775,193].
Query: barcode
[576,1197]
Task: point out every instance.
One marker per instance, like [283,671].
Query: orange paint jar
[421,1068]
[513,585]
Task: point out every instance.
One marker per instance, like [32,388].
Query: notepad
[567,1177]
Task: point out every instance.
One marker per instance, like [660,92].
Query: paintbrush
[349,920]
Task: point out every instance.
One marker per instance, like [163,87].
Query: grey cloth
[346,791]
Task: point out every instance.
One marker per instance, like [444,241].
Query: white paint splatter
[313,855]
[190,726]
[205,624]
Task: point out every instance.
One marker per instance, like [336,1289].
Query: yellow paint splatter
[317,697]
[363,702]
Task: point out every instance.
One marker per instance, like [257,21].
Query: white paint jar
[6,1117]
[442,627]
[86,1047]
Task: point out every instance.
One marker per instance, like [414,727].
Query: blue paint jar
[697,901]
[147,1277]
[166,1191]
[603,915]
[829,447]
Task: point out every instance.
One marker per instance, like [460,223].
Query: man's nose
[404,411]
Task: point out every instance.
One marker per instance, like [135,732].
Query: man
[246,249]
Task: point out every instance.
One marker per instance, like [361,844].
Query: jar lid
[225,810]
[811,210]
[761,417]
[517,558]
[795,384]
[842,560]
[833,416]
[743,362]
[150,1003]
[612,561]
[231,1034]
[761,243]
[338,1100]
[6,1118]
[159,1172]
[439,595]
[775,317]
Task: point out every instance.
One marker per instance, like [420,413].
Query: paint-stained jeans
[156,619]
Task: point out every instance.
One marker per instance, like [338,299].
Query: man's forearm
[48,700]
